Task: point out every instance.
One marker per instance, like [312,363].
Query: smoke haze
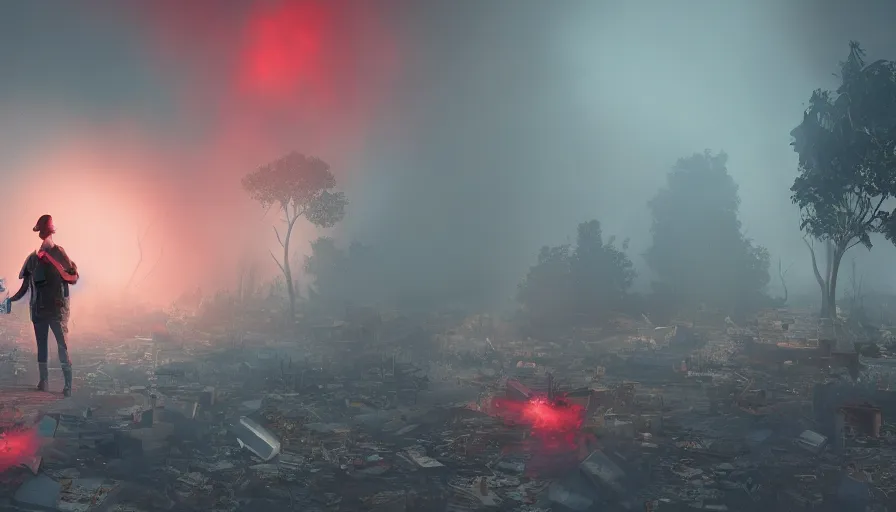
[465,134]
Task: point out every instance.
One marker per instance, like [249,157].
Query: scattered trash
[656,418]
[256,439]
[812,441]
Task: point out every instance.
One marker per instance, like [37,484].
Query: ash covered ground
[390,412]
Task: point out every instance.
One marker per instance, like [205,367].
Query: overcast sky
[466,133]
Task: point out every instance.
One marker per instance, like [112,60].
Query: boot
[44,376]
[67,375]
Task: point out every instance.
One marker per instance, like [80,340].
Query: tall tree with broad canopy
[847,158]
[576,284]
[699,254]
[299,186]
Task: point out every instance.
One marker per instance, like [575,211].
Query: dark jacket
[49,292]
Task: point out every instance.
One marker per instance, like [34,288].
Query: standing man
[47,273]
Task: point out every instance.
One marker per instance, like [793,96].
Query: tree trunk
[249,284]
[822,283]
[836,258]
[831,310]
[781,273]
[287,273]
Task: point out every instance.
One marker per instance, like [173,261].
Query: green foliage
[578,284]
[601,273]
[847,154]
[547,291]
[301,186]
[847,158]
[699,254]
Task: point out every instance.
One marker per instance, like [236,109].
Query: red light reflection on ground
[557,443]
[16,447]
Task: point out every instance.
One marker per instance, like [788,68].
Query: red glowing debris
[541,414]
[553,416]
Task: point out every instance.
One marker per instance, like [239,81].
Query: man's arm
[25,276]
[71,267]
[22,291]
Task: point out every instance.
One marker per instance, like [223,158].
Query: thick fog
[539,117]
[465,134]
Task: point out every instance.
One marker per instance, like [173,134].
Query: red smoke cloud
[303,75]
[279,73]
[251,82]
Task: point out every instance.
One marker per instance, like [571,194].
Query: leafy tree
[300,186]
[586,281]
[699,254]
[326,266]
[547,292]
[847,157]
[342,276]
[602,274]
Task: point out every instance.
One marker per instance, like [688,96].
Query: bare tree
[154,265]
[251,282]
[247,275]
[781,273]
[140,241]
[241,271]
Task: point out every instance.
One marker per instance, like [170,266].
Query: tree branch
[139,262]
[880,202]
[154,265]
[278,262]
[781,273]
[278,235]
[850,246]
[140,239]
[818,277]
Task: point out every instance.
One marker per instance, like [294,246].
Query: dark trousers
[42,334]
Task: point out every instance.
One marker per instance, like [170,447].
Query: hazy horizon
[466,134]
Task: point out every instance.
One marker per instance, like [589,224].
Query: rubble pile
[398,416]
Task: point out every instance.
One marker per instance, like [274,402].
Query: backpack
[50,291]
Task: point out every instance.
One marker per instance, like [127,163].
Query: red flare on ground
[541,414]
[16,447]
